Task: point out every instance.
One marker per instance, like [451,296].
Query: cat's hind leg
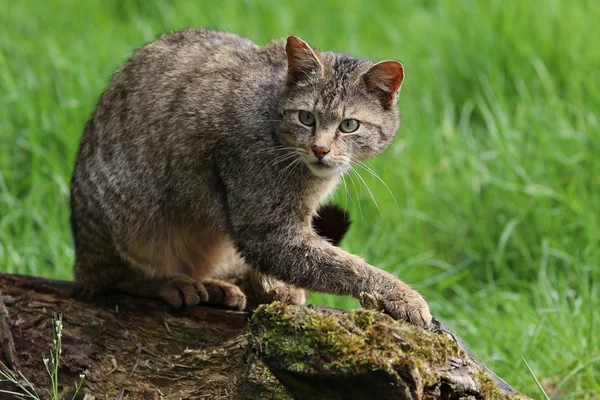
[175,266]
[183,262]
[183,291]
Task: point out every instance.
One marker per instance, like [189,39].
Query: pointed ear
[302,60]
[386,77]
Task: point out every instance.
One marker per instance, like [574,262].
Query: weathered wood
[134,345]
[139,348]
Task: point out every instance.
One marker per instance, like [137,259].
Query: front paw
[405,304]
[411,308]
[286,294]
[266,289]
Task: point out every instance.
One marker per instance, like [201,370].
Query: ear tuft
[386,77]
[302,60]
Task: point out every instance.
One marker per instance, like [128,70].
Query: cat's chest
[319,190]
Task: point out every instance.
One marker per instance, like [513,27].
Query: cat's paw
[266,289]
[183,291]
[414,309]
[405,304]
[224,294]
[286,294]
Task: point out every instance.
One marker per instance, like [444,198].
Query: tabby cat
[207,156]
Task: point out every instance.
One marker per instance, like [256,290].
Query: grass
[495,171]
[25,389]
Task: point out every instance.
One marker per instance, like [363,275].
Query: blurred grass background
[494,177]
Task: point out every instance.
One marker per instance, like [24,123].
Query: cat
[208,155]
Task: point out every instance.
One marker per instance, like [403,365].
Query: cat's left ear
[302,60]
[386,77]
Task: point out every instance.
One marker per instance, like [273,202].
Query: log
[139,348]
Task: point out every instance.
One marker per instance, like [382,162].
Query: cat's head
[337,110]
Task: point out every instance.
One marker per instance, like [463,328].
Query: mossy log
[136,348]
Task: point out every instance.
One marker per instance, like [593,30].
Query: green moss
[303,340]
[489,388]
[363,319]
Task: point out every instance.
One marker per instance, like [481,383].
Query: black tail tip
[332,222]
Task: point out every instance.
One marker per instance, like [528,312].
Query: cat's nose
[320,150]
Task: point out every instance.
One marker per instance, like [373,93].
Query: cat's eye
[349,125]
[307,118]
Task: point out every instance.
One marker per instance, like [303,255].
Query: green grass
[495,171]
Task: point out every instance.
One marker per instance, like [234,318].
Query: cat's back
[183,84]
[202,52]
[190,72]
[202,44]
[171,105]
[206,38]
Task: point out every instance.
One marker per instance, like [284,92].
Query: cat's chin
[323,171]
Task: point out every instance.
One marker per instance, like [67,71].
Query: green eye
[349,125]
[307,118]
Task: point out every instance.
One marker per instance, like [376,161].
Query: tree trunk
[139,348]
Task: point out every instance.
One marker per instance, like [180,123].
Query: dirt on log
[136,348]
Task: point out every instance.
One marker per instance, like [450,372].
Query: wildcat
[208,155]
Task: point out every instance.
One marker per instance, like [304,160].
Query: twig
[121,395]
[167,327]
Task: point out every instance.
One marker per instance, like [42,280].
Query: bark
[138,348]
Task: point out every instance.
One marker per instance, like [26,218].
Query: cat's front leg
[300,258]
[266,289]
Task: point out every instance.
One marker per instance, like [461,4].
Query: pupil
[306,117]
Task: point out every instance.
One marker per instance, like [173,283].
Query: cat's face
[337,110]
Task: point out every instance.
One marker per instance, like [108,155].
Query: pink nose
[320,150]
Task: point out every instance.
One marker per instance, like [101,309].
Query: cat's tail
[332,223]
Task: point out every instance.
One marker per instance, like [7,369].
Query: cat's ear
[386,77]
[302,60]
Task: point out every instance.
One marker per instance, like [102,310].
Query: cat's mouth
[323,168]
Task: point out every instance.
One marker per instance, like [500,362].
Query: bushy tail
[332,223]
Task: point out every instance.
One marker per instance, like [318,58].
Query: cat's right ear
[303,62]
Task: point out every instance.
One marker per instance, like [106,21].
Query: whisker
[292,171]
[367,187]
[346,195]
[289,152]
[276,149]
[362,218]
[290,161]
[280,159]
[372,172]
[284,175]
